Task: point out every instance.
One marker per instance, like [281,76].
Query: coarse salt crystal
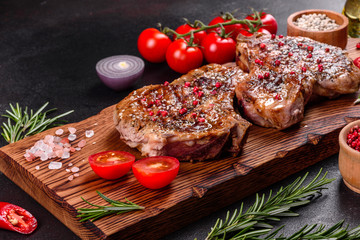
[49,139]
[55,165]
[72,130]
[59,131]
[71,177]
[89,133]
[77,149]
[94,142]
[82,143]
[66,154]
[70,164]
[68,170]
[38,153]
[58,147]
[72,137]
[59,153]
[74,169]
[37,167]
[76,174]
[44,156]
[95,124]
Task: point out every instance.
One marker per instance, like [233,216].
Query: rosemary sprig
[310,232]
[255,219]
[116,207]
[21,124]
[336,231]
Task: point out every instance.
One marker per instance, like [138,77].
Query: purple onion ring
[120,72]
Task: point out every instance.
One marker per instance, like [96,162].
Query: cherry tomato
[156,172]
[182,58]
[245,32]
[16,219]
[268,20]
[233,28]
[217,49]
[152,45]
[198,37]
[357,62]
[111,164]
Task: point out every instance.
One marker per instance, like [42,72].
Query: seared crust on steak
[192,118]
[285,72]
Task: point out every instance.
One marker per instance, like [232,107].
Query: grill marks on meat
[153,118]
[298,67]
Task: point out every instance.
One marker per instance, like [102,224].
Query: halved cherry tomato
[183,58]
[16,219]
[152,45]
[185,28]
[357,62]
[217,49]
[268,21]
[111,164]
[233,28]
[156,172]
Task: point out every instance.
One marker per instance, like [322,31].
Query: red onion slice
[120,72]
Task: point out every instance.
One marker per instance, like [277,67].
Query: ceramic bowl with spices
[321,25]
[349,155]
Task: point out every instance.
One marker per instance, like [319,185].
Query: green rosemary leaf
[116,207]
[21,124]
[38,111]
[106,198]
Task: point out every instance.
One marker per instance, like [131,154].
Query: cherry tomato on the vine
[156,172]
[268,21]
[152,45]
[185,28]
[111,164]
[217,49]
[245,32]
[233,28]
[183,58]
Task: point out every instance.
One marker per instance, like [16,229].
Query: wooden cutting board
[268,156]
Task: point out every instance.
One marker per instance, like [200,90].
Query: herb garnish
[254,221]
[116,207]
[21,124]
[308,232]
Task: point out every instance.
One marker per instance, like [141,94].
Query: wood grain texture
[268,156]
[336,37]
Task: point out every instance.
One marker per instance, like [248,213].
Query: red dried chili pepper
[16,219]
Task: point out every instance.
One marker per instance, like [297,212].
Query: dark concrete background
[48,52]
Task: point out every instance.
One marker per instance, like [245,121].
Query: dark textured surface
[48,52]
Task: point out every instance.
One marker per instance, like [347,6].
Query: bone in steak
[192,118]
[285,72]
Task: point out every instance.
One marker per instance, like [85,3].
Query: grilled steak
[284,72]
[192,118]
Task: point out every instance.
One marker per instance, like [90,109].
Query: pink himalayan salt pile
[53,146]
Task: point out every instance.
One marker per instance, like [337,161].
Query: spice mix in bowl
[321,25]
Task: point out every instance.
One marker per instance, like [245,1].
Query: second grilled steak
[284,72]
